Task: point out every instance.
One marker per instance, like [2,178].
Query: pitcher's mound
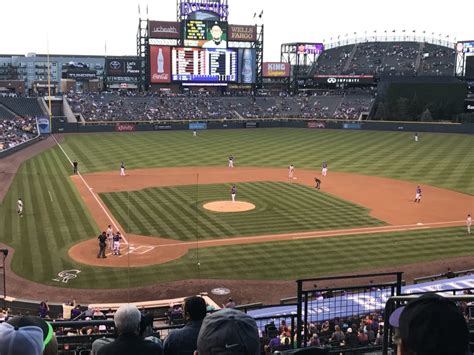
[229,206]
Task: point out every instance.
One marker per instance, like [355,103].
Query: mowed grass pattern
[176,212]
[444,160]
[56,218]
[302,258]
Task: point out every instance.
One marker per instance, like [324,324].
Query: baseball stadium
[312,195]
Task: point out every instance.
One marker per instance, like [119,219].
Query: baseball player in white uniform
[110,236]
[116,241]
[469,223]
[325,168]
[291,171]
[233,192]
[19,207]
[122,169]
[194,133]
[418,194]
[416,137]
[231,161]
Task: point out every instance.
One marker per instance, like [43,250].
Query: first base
[294,178]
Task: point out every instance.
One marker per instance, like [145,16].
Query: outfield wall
[61,126]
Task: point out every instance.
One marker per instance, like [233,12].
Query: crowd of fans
[387,58]
[16,131]
[115,107]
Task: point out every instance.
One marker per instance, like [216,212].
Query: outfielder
[469,223]
[325,168]
[122,169]
[19,207]
[116,241]
[291,171]
[418,194]
[231,161]
[416,137]
[233,192]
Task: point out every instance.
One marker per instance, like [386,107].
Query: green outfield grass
[55,217]
[176,212]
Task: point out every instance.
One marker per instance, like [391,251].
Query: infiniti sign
[332,80]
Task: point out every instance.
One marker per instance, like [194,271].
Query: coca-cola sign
[124,127]
[164,29]
[242,33]
[160,65]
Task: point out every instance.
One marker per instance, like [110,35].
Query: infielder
[231,161]
[418,194]
[233,191]
[19,207]
[110,236]
[122,169]
[116,241]
[291,171]
[469,223]
[318,183]
[325,168]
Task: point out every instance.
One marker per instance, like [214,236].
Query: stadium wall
[7,152]
[61,126]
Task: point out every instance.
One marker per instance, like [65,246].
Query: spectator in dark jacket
[184,341]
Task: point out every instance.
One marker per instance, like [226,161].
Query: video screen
[204,65]
[205,34]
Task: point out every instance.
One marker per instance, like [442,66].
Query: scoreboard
[203,65]
[197,33]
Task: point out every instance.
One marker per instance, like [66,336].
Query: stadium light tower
[5,253]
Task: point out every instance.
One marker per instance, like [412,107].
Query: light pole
[5,253]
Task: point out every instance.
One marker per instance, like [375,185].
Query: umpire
[102,244]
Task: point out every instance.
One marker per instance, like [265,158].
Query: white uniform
[324,171]
[19,207]
[231,162]
[416,137]
[122,170]
[110,235]
[468,224]
[116,243]
[194,133]
[232,193]
[291,170]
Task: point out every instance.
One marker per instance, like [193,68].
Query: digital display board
[204,65]
[205,34]
[310,48]
[122,67]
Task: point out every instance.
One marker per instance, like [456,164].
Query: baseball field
[362,219]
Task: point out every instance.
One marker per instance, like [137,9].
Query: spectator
[44,309]
[338,335]
[351,338]
[127,324]
[50,343]
[230,303]
[228,331]
[430,325]
[184,341]
[24,340]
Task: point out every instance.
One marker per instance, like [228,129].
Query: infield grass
[177,213]
[56,218]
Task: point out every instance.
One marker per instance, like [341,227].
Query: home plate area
[134,249]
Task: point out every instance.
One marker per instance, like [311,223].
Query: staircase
[418,66]
[349,60]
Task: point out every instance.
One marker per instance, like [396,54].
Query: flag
[139,9]
[147,9]
[254,14]
[393,31]
[261,14]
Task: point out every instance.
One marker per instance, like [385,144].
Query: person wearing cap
[127,324]
[228,331]
[230,303]
[184,341]
[23,340]
[49,341]
[430,325]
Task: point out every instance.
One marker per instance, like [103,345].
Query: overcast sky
[83,27]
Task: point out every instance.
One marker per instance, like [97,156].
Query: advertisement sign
[163,42]
[205,34]
[276,70]
[352,126]
[314,124]
[160,66]
[247,68]
[469,106]
[344,79]
[310,48]
[124,127]
[122,67]
[189,7]
[204,65]
[197,125]
[43,125]
[164,29]
[241,33]
[84,75]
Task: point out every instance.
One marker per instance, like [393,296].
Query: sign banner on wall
[160,65]
[164,29]
[242,33]
[276,70]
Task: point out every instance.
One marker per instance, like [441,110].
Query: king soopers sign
[190,6]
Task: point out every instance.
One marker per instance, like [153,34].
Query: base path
[388,200]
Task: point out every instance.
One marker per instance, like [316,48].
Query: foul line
[92,193]
[311,235]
